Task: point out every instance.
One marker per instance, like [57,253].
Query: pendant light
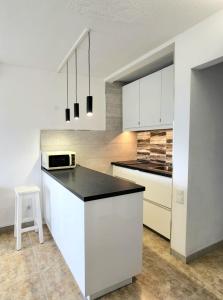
[67,110]
[76,104]
[89,97]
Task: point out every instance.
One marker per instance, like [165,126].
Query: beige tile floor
[39,272]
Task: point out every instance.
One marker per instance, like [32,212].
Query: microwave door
[56,161]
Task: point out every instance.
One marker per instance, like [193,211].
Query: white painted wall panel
[199,45]
[32,100]
[205,188]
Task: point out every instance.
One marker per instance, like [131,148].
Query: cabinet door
[150,98]
[157,218]
[158,188]
[125,173]
[167,97]
[130,102]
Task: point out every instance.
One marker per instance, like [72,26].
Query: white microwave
[58,160]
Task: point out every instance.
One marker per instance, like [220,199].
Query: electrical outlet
[180,196]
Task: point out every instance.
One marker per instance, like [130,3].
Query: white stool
[34,193]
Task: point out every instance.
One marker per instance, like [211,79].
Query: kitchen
[33,120]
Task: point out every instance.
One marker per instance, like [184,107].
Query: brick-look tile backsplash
[155,145]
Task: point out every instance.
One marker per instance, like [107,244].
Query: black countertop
[146,166]
[89,185]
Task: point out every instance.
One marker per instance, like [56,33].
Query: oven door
[59,161]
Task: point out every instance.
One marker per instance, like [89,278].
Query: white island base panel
[100,240]
[110,289]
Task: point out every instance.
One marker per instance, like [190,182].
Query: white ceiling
[38,33]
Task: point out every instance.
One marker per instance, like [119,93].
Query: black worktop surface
[146,166]
[88,184]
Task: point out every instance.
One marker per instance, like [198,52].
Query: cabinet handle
[160,120]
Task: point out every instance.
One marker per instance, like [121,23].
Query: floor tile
[47,255]
[5,291]
[59,283]
[38,271]
[17,266]
[8,243]
[29,289]
[34,237]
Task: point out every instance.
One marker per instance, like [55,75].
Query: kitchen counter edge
[152,171]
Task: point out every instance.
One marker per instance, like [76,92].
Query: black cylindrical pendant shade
[89,106]
[76,110]
[67,115]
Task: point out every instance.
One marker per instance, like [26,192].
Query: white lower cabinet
[157,198]
[157,218]
[158,188]
[125,173]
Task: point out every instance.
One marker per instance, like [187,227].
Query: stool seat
[22,192]
[26,189]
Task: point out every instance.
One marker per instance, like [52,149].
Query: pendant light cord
[89,63]
[76,73]
[67,85]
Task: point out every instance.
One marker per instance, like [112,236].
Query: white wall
[32,100]
[194,47]
[205,182]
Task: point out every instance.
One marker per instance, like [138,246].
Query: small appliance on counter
[52,160]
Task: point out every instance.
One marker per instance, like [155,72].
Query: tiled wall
[96,149]
[155,145]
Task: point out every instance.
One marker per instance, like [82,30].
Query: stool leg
[15,222]
[34,213]
[39,217]
[18,223]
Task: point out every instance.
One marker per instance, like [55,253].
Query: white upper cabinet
[167,95]
[130,102]
[150,95]
[148,103]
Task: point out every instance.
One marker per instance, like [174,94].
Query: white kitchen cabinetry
[130,99]
[157,198]
[167,96]
[125,173]
[156,217]
[148,103]
[100,240]
[150,95]
[158,188]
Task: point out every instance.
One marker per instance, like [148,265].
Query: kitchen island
[96,221]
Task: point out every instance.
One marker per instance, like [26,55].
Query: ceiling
[39,33]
